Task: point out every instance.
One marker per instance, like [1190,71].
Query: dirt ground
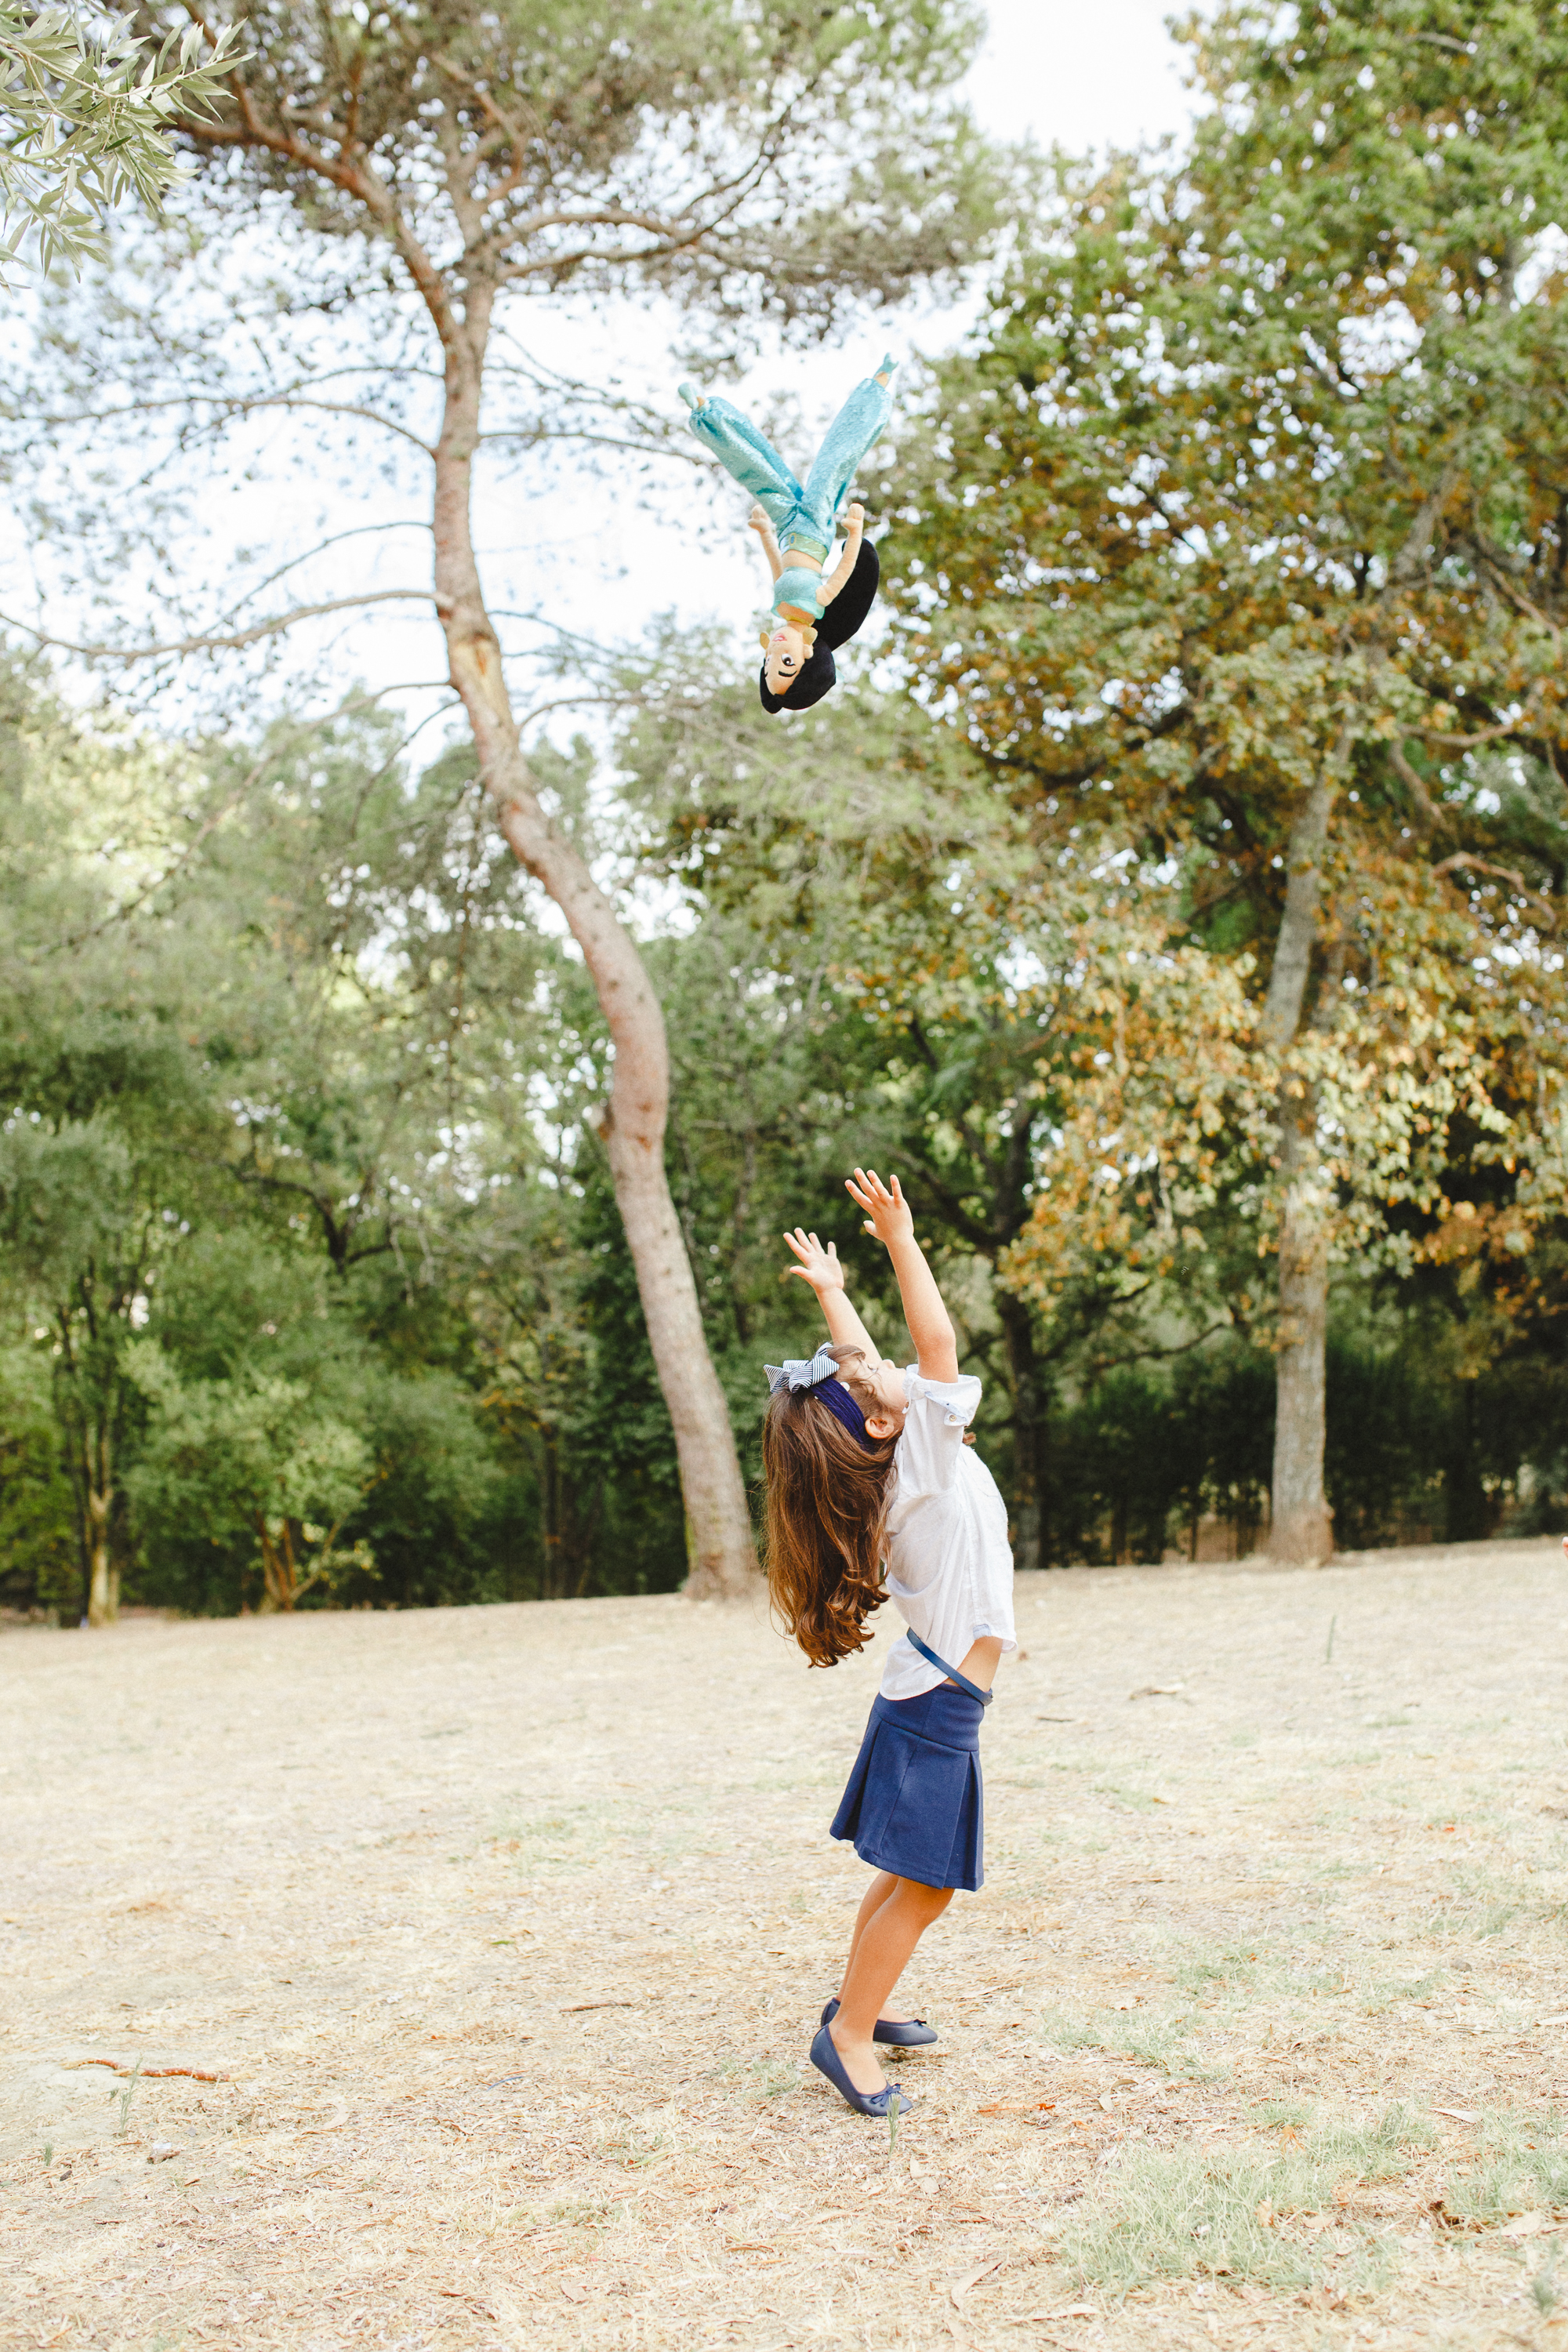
[493,1940]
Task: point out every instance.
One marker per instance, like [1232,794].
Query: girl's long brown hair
[828,1500]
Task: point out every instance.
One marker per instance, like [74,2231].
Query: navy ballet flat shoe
[825,2059]
[899,2033]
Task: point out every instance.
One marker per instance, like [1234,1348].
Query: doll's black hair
[838,624]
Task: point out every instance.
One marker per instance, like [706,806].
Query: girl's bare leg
[876,1894]
[885,1936]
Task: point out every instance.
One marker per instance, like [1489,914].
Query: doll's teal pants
[803,516]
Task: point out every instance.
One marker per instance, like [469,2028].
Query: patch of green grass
[1068,2032]
[1389,1992]
[1160,2042]
[580,2212]
[1369,2268]
[1462,1917]
[1520,2163]
[1322,1984]
[1227,1971]
[1149,2037]
[1182,2214]
[1382,2151]
[1140,1802]
[1544,2291]
[761,2078]
[1483,1903]
[1296,2112]
[630,2142]
[568,1837]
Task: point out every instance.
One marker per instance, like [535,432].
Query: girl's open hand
[887,1214]
[855,517]
[759,521]
[818,1266]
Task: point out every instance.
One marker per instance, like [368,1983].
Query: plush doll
[796,525]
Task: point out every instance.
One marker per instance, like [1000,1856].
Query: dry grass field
[491,1943]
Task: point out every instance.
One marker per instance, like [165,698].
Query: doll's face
[785,658]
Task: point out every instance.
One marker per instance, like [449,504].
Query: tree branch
[1427,811]
[240,404]
[239,638]
[357,531]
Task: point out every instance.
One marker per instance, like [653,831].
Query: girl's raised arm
[820,1267]
[889,1217]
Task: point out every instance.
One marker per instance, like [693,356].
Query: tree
[86,111]
[256,1454]
[86,1223]
[927,991]
[39,1565]
[1243,534]
[745,163]
[100,1103]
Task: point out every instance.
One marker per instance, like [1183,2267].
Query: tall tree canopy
[444,169]
[1241,537]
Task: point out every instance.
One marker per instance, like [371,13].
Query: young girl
[796,525]
[866,1466]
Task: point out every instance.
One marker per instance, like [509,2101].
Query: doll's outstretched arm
[856,520]
[766,533]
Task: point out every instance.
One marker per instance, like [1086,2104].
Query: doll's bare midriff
[801,558]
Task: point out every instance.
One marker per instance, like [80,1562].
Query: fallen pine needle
[196,2074]
[959,2287]
[569,2007]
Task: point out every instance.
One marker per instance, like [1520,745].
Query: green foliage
[39,1560]
[308,1253]
[862,892]
[1246,503]
[88,109]
[258,1455]
[545,153]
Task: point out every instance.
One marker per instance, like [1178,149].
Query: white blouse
[950,1565]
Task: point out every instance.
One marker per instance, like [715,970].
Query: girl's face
[785,658]
[878,1389]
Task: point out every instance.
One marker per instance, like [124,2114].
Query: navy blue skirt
[914,1804]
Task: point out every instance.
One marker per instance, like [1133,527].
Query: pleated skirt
[914,1803]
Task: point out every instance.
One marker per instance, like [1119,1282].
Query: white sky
[580,545]
[1095,73]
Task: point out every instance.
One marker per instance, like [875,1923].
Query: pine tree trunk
[1301,1528]
[721,1554]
